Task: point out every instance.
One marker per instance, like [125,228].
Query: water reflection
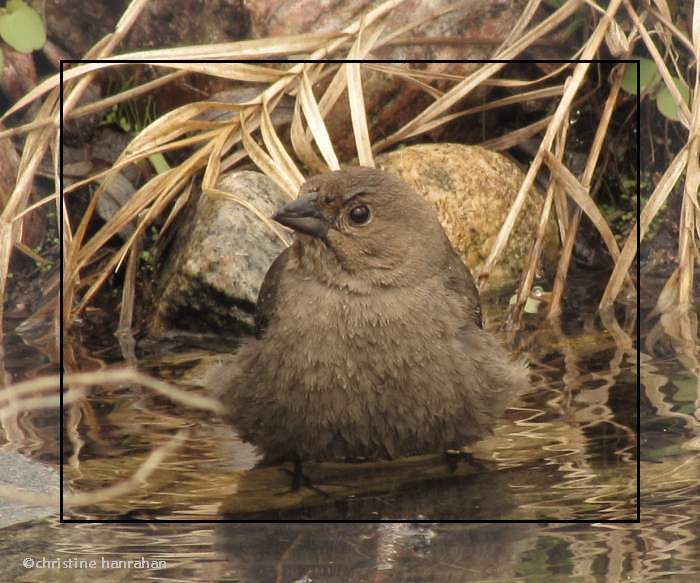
[387,552]
[663,548]
[566,450]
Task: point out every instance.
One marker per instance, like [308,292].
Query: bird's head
[368,222]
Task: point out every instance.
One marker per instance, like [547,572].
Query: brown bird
[369,337]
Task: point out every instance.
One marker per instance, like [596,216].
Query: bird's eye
[359,215]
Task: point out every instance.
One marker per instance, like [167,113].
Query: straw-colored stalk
[251,133]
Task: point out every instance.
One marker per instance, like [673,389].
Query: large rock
[472,189]
[31,477]
[219,260]
[217,265]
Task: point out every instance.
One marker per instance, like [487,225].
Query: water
[567,450]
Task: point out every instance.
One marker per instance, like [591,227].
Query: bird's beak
[303,216]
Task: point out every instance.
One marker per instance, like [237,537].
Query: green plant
[649,78]
[622,214]
[132,120]
[21,28]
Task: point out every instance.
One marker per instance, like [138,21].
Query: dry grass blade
[405,72]
[228,134]
[73,96]
[695,29]
[583,199]
[651,209]
[419,124]
[174,183]
[25,128]
[523,21]
[667,23]
[233,159]
[131,376]
[462,89]
[126,95]
[301,140]
[315,122]
[155,194]
[265,162]
[30,498]
[359,115]
[170,126]
[126,312]
[425,87]
[234,71]
[36,403]
[171,131]
[121,163]
[358,112]
[101,104]
[35,147]
[133,483]
[572,87]
[180,203]
[690,219]
[29,252]
[333,91]
[142,198]
[32,154]
[569,231]
[543,93]
[259,49]
[516,137]
[683,111]
[26,390]
[71,250]
[302,146]
[536,249]
[278,152]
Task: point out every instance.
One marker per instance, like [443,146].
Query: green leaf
[665,102]
[648,76]
[21,27]
[2,63]
[576,22]
[160,164]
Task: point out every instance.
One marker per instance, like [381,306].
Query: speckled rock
[472,190]
[212,277]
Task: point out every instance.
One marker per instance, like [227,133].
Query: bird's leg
[452,457]
[299,480]
[297,475]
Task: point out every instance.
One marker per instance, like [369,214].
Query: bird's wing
[460,281]
[267,296]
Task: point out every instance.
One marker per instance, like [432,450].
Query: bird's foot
[454,456]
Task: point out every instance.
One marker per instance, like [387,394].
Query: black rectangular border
[637,520]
